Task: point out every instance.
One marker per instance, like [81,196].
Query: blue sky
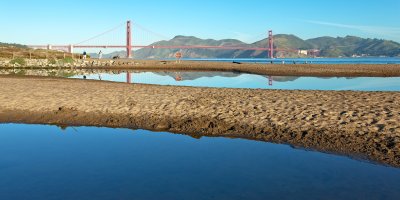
[69,22]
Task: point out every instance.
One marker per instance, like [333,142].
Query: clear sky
[70,21]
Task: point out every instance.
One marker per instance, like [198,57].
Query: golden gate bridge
[129,45]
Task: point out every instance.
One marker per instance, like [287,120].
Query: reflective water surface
[222,79]
[46,162]
[242,80]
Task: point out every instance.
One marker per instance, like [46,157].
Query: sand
[360,124]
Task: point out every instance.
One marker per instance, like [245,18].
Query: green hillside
[12,45]
[283,41]
[328,46]
[351,45]
[11,51]
[192,53]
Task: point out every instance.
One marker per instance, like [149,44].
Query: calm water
[46,162]
[239,80]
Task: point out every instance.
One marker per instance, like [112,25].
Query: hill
[192,53]
[9,45]
[328,46]
[12,51]
[351,45]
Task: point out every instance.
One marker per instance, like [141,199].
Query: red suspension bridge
[129,45]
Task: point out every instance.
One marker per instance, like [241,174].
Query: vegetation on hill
[193,53]
[12,45]
[351,45]
[19,61]
[329,47]
[14,51]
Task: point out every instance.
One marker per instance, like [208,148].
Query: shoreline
[364,124]
[322,70]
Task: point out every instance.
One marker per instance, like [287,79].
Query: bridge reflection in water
[220,79]
[129,77]
[178,77]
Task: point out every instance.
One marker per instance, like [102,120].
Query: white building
[302,52]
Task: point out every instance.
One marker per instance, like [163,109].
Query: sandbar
[358,124]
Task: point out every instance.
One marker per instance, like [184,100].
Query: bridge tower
[270,44]
[128,40]
[71,48]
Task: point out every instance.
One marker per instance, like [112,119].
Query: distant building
[302,52]
[314,52]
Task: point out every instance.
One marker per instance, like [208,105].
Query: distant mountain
[351,45]
[328,46]
[192,53]
[284,41]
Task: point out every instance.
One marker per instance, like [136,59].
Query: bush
[20,61]
[67,60]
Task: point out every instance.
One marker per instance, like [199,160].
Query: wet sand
[360,124]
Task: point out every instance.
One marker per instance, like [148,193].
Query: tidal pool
[50,162]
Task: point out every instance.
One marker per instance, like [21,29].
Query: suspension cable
[101,34]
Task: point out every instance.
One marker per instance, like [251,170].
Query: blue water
[46,162]
[240,80]
[364,60]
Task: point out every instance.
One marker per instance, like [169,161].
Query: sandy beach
[359,124]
